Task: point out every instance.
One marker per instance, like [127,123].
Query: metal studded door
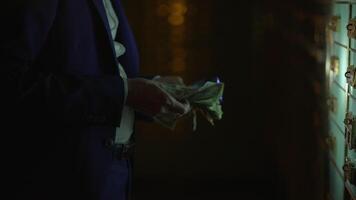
[341,75]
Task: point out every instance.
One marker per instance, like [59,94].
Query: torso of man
[124,132]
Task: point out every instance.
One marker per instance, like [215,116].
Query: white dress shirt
[124,132]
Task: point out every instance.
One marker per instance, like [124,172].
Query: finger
[187,106]
[176,107]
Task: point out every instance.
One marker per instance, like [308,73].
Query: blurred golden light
[179,52]
[176,20]
[178,8]
[178,31]
[175,11]
[178,65]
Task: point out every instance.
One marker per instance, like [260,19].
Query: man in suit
[70,78]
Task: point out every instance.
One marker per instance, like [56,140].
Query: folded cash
[204,98]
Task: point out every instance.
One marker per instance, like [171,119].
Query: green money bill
[204,98]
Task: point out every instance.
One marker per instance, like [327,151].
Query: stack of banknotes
[204,97]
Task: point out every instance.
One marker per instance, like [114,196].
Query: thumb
[178,107]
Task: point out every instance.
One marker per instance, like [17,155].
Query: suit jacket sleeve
[60,98]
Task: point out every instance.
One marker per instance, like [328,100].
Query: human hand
[147,97]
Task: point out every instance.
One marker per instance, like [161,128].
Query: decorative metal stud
[350,123]
[350,171]
[332,104]
[351,28]
[351,76]
[334,23]
[335,64]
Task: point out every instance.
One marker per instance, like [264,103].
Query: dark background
[268,55]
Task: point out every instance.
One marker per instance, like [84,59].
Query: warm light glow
[175,12]
[178,64]
[180,52]
[176,20]
[178,8]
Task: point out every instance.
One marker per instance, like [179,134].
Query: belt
[123,151]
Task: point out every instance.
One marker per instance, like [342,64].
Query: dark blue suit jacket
[63,94]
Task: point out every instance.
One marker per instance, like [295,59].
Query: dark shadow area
[266,146]
[208,189]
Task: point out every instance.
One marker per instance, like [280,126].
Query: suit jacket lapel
[130,59]
[98,4]
[116,5]
[122,19]
[102,13]
[124,36]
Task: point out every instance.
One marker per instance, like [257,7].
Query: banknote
[205,99]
